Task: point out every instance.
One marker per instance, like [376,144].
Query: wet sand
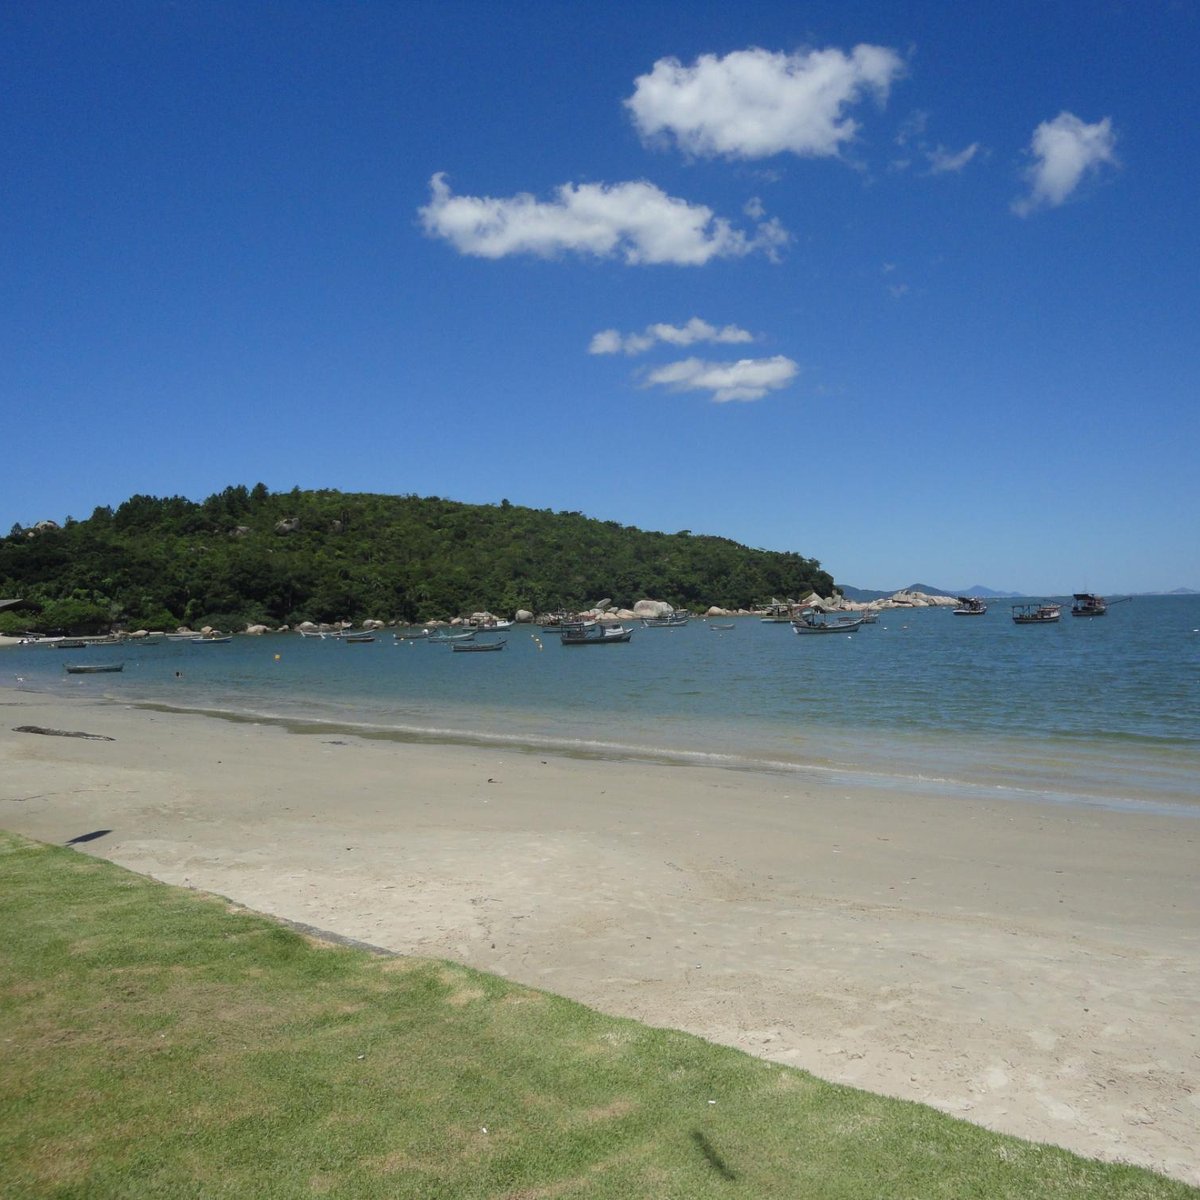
[1035,969]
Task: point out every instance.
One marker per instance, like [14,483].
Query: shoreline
[1029,967]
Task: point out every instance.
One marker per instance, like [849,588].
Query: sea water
[1099,711]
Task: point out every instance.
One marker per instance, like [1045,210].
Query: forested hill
[249,555]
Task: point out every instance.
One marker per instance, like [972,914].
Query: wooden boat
[970,606]
[1088,604]
[411,635]
[493,626]
[444,638]
[212,641]
[814,621]
[93,668]
[1036,614]
[714,625]
[473,647]
[579,633]
[184,637]
[357,638]
[670,621]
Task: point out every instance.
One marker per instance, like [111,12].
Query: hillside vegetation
[250,555]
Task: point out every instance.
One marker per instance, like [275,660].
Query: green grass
[154,1042]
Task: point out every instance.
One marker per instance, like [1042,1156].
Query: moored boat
[1088,604]
[93,668]
[212,640]
[1036,614]
[970,606]
[475,647]
[816,621]
[578,633]
[669,621]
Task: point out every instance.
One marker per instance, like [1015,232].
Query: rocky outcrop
[919,600]
[523,616]
[256,630]
[653,608]
[287,525]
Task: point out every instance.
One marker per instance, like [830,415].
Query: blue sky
[908,288]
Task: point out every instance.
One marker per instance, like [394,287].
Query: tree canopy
[250,555]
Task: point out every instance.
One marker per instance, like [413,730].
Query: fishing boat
[970,606]
[93,668]
[1088,604]
[1036,614]
[580,633]
[356,638]
[668,621]
[212,640]
[411,635]
[473,647]
[492,626]
[816,621]
[722,625]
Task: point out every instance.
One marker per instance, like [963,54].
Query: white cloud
[755,103]
[746,379]
[635,221]
[610,341]
[1065,150]
[942,161]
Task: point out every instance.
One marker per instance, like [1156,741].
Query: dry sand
[1032,969]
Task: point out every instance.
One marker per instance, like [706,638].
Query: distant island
[250,556]
[867,594]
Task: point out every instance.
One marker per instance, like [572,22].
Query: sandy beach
[1034,969]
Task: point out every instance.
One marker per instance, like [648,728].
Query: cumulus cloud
[755,103]
[746,379]
[610,341]
[1064,151]
[635,221]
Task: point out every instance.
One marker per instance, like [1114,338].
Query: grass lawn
[156,1042]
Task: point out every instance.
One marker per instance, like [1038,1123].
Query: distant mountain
[1183,592]
[978,589]
[862,595]
[929,590]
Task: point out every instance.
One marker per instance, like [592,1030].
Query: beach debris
[95,737]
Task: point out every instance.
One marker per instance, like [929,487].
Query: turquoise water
[1100,711]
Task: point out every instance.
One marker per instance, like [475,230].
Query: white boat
[970,606]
